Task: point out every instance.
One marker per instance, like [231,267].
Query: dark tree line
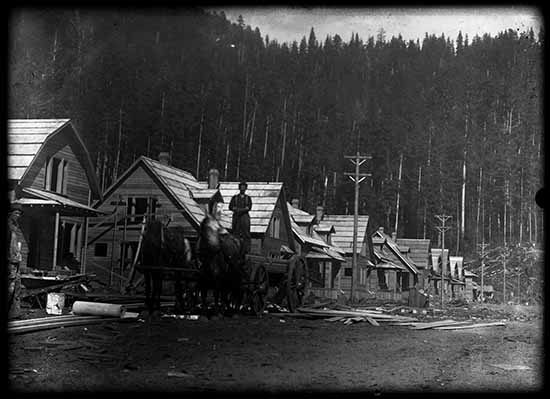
[461,118]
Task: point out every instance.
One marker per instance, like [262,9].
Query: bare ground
[274,354]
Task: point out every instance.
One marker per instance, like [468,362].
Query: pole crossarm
[355,158]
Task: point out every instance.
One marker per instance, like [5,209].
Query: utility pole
[482,246]
[505,255]
[357,178]
[442,229]
[518,270]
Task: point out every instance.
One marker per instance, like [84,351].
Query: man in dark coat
[240,205]
[15,237]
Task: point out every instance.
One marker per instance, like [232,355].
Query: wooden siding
[138,184]
[77,183]
[32,141]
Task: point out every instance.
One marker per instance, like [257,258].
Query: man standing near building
[240,205]
[15,238]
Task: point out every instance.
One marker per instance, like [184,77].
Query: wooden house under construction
[156,189]
[51,175]
[148,188]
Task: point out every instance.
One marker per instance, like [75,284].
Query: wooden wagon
[282,281]
[275,279]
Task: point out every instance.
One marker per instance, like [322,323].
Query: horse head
[210,232]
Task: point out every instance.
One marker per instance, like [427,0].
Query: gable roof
[264,196]
[299,216]
[343,235]
[176,183]
[324,228]
[27,137]
[394,248]
[419,250]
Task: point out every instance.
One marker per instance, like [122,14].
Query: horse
[221,257]
[163,246]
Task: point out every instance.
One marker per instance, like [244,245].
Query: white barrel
[98,309]
[55,303]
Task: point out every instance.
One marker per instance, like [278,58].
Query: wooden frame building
[51,175]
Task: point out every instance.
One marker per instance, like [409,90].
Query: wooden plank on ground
[372,321]
[440,323]
[479,325]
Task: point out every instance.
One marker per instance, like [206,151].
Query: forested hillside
[463,114]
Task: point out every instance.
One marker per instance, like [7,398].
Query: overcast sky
[288,24]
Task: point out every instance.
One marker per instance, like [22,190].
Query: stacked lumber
[46,323]
[350,316]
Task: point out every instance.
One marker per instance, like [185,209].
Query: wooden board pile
[349,316]
[376,316]
[448,325]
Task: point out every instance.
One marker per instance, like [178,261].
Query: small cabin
[396,272]
[342,238]
[314,243]
[418,251]
[51,175]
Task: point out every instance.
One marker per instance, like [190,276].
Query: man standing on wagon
[240,205]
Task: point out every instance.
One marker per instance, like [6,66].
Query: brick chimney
[319,213]
[295,202]
[164,158]
[213,178]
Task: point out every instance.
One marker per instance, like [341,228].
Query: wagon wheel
[296,284]
[189,295]
[260,281]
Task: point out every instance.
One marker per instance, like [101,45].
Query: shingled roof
[27,137]
[394,248]
[343,235]
[301,217]
[179,185]
[419,250]
[264,197]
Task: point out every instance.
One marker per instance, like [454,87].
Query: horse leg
[157,290]
[148,301]
[178,292]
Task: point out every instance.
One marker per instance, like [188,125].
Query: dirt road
[269,353]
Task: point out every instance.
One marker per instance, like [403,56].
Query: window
[56,175]
[348,272]
[138,206]
[100,249]
[276,227]
[70,241]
